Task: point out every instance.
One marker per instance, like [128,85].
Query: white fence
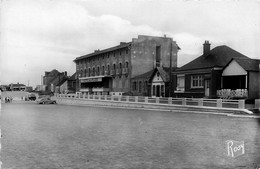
[240,104]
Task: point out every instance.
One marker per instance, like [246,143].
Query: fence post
[99,97]
[157,99]
[169,100]
[241,104]
[84,95]
[200,102]
[88,96]
[119,98]
[105,97]
[136,98]
[146,99]
[219,102]
[127,98]
[184,101]
[112,97]
[257,104]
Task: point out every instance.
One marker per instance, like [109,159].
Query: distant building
[17,87]
[40,88]
[109,71]
[68,85]
[29,89]
[52,79]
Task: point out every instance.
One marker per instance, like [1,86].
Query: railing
[220,103]
[118,71]
[125,70]
[228,93]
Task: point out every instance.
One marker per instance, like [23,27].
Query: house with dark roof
[240,79]
[203,76]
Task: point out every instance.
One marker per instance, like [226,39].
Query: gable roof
[217,57]
[164,72]
[247,63]
[73,77]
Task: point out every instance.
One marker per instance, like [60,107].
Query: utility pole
[170,73]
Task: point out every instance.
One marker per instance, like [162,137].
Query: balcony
[228,93]
[113,72]
[125,70]
[107,72]
[118,71]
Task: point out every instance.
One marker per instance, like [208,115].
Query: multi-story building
[109,71]
[53,78]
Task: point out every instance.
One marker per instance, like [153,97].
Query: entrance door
[157,91]
[207,88]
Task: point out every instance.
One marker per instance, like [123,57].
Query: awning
[91,79]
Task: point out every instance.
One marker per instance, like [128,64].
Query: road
[74,137]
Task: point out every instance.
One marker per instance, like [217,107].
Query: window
[158,55]
[108,68]
[126,51]
[103,70]
[140,86]
[180,83]
[89,71]
[162,90]
[197,81]
[153,90]
[135,86]
[114,66]
[126,64]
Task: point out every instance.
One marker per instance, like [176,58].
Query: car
[46,101]
[31,97]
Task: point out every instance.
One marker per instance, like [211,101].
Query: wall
[143,53]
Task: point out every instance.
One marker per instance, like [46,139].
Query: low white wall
[124,104]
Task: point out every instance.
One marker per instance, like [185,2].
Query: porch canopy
[234,76]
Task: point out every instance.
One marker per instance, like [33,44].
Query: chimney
[206,48]
[65,73]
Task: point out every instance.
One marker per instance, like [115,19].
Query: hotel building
[110,71]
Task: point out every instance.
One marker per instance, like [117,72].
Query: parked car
[46,101]
[31,97]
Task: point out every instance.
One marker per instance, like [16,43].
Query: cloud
[41,36]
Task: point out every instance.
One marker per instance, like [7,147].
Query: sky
[42,35]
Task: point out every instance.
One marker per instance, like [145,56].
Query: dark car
[46,101]
[32,97]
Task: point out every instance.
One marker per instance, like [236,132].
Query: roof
[122,45]
[146,75]
[248,64]
[164,72]
[61,82]
[17,85]
[73,77]
[217,57]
